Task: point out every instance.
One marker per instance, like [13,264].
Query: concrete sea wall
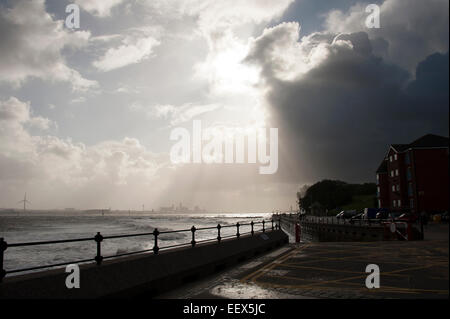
[145,274]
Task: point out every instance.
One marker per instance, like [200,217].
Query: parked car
[370,213]
[382,214]
[394,215]
[407,217]
[437,218]
[356,217]
[346,214]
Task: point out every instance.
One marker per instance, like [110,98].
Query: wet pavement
[336,270]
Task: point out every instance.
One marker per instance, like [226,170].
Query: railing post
[3,247]
[155,246]
[252,224]
[218,233]
[264,229]
[193,229]
[237,228]
[98,239]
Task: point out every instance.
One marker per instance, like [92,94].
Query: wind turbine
[24,201]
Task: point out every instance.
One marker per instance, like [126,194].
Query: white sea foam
[17,229]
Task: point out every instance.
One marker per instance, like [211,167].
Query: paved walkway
[416,269]
[337,270]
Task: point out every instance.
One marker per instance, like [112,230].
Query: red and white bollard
[409,231]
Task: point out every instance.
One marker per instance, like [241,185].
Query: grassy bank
[359,202]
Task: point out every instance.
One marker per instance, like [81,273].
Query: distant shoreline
[61,213]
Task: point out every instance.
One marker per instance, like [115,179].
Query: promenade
[408,269]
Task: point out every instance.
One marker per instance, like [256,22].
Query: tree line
[332,194]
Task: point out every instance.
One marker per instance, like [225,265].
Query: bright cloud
[32,43]
[406,36]
[134,49]
[49,160]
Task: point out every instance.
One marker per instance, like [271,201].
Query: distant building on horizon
[415,177]
[169,209]
[97,211]
[180,209]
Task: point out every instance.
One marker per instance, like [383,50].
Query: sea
[25,228]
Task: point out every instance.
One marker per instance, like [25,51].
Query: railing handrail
[49,242]
[98,238]
[372,222]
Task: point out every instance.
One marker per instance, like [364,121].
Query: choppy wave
[16,229]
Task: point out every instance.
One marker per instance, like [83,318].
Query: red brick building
[414,177]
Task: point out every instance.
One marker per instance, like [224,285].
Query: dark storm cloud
[337,119]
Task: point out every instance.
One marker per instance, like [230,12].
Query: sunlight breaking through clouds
[86,114]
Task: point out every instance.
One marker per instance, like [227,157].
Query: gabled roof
[383,167]
[426,141]
[400,147]
[430,140]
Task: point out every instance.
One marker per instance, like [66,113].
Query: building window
[395,157]
[407,159]
[392,173]
[399,202]
[408,174]
[398,187]
[393,188]
[410,190]
[378,177]
[396,172]
[394,203]
[411,203]
[379,203]
[378,191]
[390,159]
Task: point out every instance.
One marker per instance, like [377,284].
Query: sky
[86,114]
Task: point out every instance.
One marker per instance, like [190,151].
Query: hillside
[335,196]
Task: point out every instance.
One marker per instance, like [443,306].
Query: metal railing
[99,238]
[333,220]
[403,229]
